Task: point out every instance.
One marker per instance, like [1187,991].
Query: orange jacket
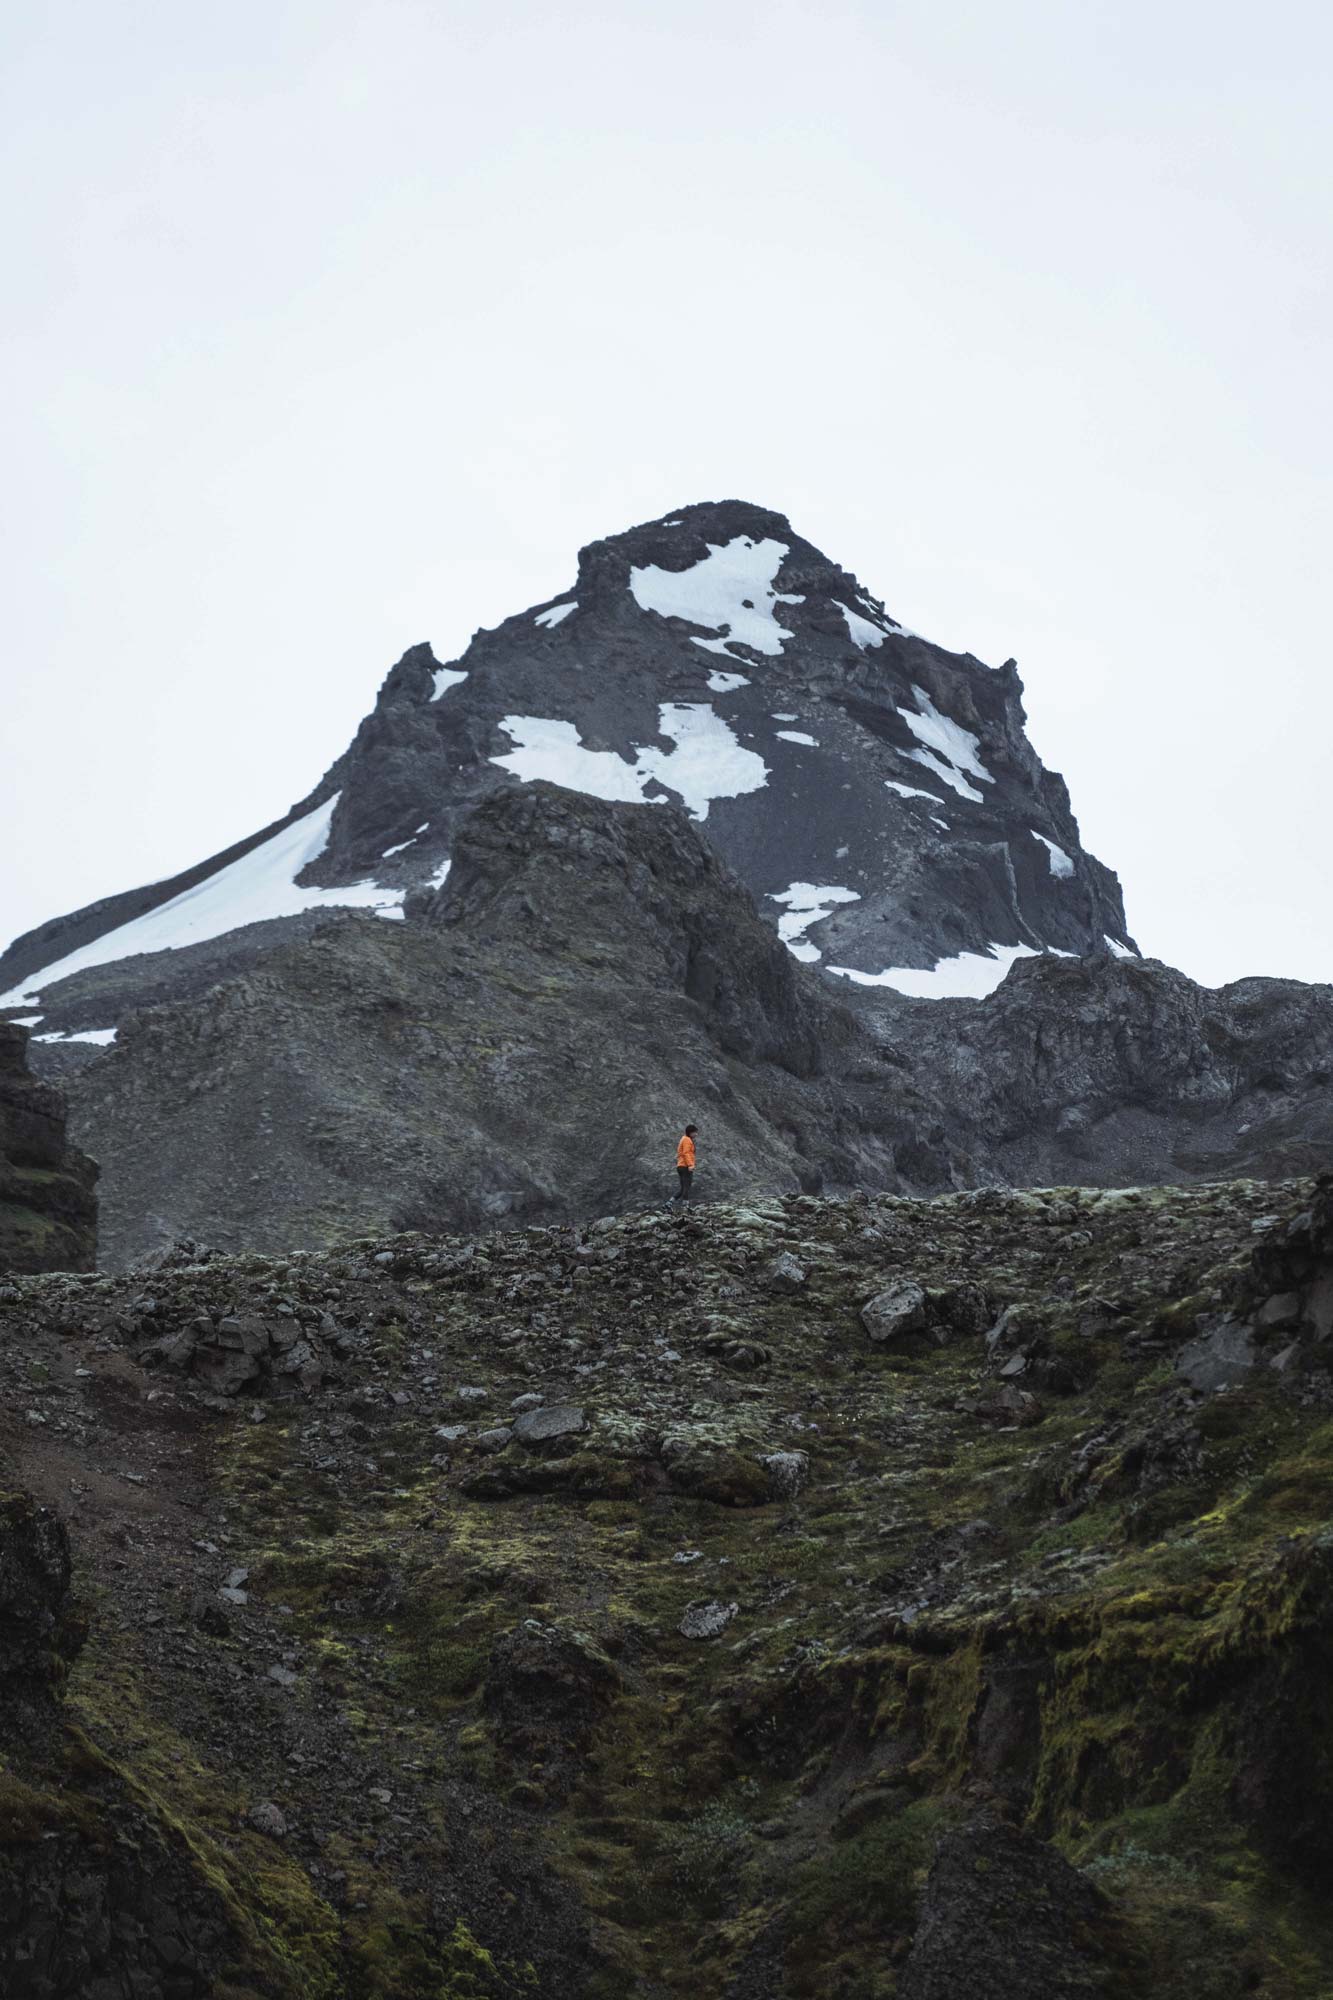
[685,1153]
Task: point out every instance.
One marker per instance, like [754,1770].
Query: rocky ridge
[591,975]
[872,1597]
[1116,1071]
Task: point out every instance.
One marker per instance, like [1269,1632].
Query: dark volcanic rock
[97,1896]
[39,1635]
[1112,1071]
[48,1211]
[714,659]
[529,1047]
[1006,1918]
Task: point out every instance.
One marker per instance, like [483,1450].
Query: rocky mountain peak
[876,793]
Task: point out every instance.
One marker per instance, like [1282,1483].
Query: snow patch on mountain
[555,614]
[860,629]
[863,632]
[726,683]
[101,1037]
[445,678]
[971,975]
[807,903]
[798,736]
[1061,865]
[912,792]
[708,762]
[730,590]
[546,748]
[950,749]
[1119,950]
[261,885]
[404,844]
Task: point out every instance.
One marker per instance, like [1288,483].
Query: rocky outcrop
[98,1896]
[48,1210]
[1004,1917]
[1117,1071]
[528,1045]
[39,1635]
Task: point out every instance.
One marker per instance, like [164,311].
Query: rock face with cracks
[801,1664]
[48,1210]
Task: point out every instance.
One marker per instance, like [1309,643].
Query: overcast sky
[332,327]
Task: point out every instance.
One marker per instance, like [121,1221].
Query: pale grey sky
[331,327]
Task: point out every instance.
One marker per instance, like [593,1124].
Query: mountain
[868,1597]
[709,837]
[876,794]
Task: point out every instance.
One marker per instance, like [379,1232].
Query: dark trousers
[686,1178]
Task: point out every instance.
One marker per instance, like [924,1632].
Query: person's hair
[689,1129]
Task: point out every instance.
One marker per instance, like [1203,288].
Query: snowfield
[862,632]
[912,792]
[1061,865]
[707,763]
[969,976]
[730,591]
[950,749]
[262,884]
[555,614]
[404,844]
[806,903]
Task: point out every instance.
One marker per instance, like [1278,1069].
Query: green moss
[848,1903]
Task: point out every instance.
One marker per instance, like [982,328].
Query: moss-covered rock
[464,1678]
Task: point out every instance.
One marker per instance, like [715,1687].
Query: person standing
[685,1163]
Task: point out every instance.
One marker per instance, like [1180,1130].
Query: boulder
[787,1472]
[785,1273]
[896,1312]
[1004,1917]
[549,1424]
[706,1621]
[225,1370]
[1220,1358]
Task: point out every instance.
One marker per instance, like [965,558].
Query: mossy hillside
[1085,1615]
